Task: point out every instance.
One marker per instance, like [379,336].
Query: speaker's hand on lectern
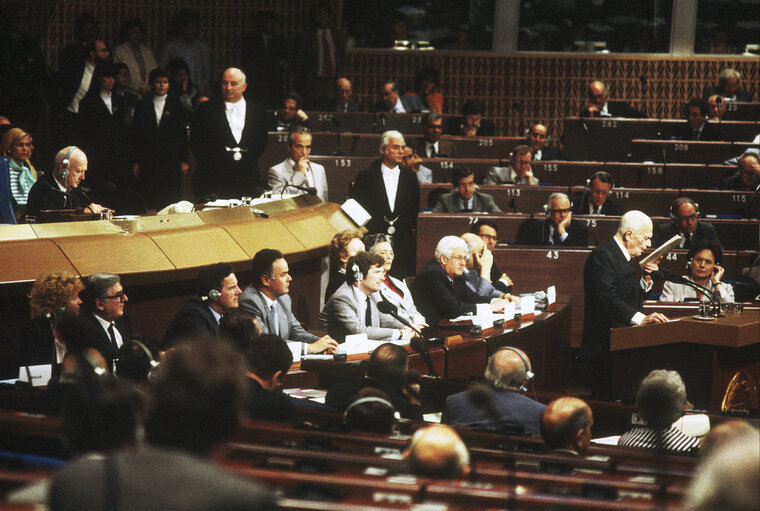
[654,317]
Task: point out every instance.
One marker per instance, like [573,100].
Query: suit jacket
[269,405]
[39,343]
[551,153]
[194,318]
[664,232]
[710,132]
[411,104]
[536,232]
[369,191]
[253,302]
[96,336]
[350,106]
[612,296]
[506,176]
[479,285]
[446,148]
[217,171]
[284,172]
[741,94]
[509,409]
[341,316]
[450,203]
[45,194]
[404,304]
[615,109]
[438,298]
[160,149]
[154,478]
[580,205]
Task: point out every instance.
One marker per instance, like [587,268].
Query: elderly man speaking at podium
[614,293]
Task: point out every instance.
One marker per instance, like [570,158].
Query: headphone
[527,133]
[65,163]
[599,175]
[214,295]
[677,204]
[529,375]
[547,213]
[154,365]
[57,311]
[356,273]
[368,399]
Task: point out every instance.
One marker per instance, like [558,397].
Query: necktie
[687,241]
[112,335]
[275,323]
[368,314]
[327,60]
[696,134]
[433,152]
[598,210]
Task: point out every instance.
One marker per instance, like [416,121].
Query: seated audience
[52,295]
[501,404]
[412,161]
[240,328]
[538,140]
[697,127]
[392,102]
[343,101]
[566,426]
[479,264]
[747,175]
[438,452]
[289,115]
[716,107]
[728,478]
[352,309]
[464,199]
[267,299]
[595,199]
[703,265]
[661,400]
[370,411]
[105,326]
[137,362]
[387,371]
[557,228]
[17,146]
[394,290]
[440,290]
[518,173]
[598,106]
[728,87]
[194,408]
[268,360]
[217,295]
[684,213]
[431,145]
[343,245]
[297,170]
[489,233]
[138,57]
[60,189]
[471,123]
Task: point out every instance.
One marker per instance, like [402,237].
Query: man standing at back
[227,137]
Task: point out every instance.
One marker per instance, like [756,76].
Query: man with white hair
[391,195]
[227,137]
[728,87]
[440,290]
[614,293]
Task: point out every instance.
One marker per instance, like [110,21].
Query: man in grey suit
[195,406]
[352,309]
[465,199]
[268,300]
[518,173]
[297,170]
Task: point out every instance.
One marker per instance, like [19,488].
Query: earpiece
[688,266]
[368,399]
[357,273]
[214,295]
[65,163]
[528,368]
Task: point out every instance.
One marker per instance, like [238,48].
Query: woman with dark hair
[703,265]
[138,57]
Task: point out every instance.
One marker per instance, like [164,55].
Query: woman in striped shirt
[17,147]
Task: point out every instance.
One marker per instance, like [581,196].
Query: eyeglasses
[459,258]
[121,296]
[567,210]
[489,237]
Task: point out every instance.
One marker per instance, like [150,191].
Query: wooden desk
[604,139]
[731,130]
[686,152]
[738,111]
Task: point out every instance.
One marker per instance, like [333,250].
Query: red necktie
[327,61]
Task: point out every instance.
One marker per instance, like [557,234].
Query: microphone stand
[588,138]
[338,151]
[387,307]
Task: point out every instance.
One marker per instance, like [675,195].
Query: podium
[705,352]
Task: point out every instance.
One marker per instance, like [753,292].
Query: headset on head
[154,365]
[368,399]
[213,295]
[596,175]
[546,207]
[528,368]
[677,204]
[66,163]
[356,273]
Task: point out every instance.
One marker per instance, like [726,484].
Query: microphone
[111,187]
[308,189]
[588,137]
[420,346]
[387,307]
[260,213]
[718,101]
[665,274]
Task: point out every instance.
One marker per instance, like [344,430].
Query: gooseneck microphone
[418,344]
[308,189]
[666,275]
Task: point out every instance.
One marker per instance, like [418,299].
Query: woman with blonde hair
[344,245]
[17,146]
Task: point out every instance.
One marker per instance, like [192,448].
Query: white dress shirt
[105,324]
[235,113]
[390,178]
[106,97]
[399,107]
[158,106]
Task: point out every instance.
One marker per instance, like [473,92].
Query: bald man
[342,101]
[598,106]
[479,264]
[227,137]
[501,405]
[438,452]
[566,426]
[538,140]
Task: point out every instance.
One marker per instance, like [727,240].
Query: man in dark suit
[268,300]
[566,426]
[161,152]
[614,294]
[227,137]
[537,139]
[393,102]
[747,174]
[195,408]
[342,101]
[728,87]
[385,184]
[598,106]
[440,290]
[105,326]
[431,146]
[471,123]
[594,200]
[557,228]
[218,294]
[501,405]
[268,358]
[684,213]
[697,127]
[464,199]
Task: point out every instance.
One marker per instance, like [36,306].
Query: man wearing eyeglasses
[410,160]
[104,323]
[557,228]
[598,106]
[519,172]
[442,290]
